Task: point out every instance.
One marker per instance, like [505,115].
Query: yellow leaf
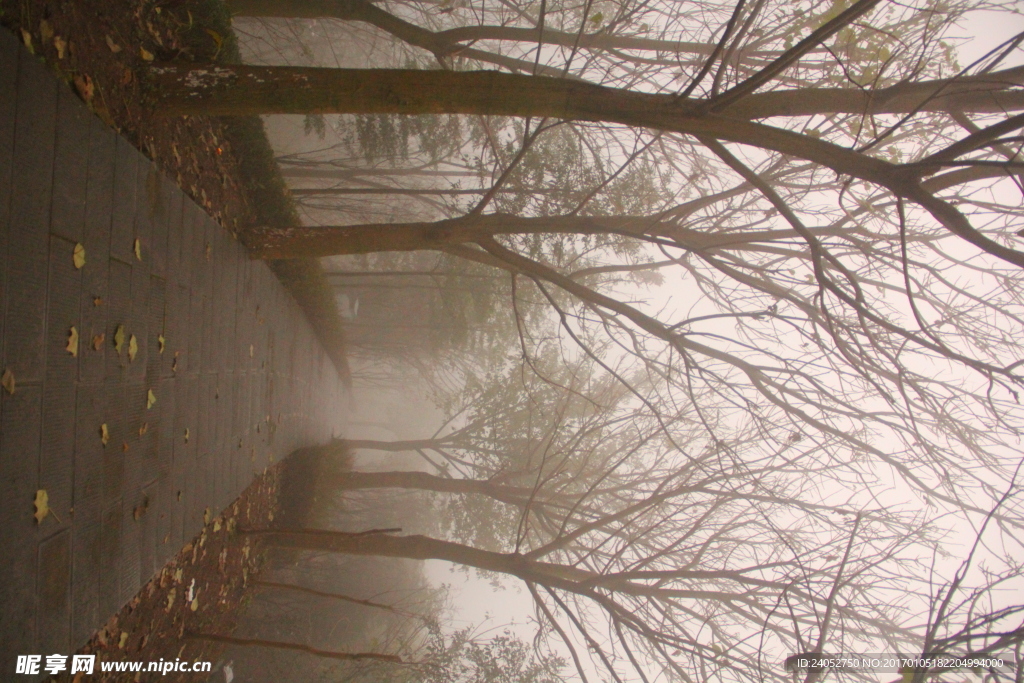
[133,348]
[160,343]
[26,38]
[146,54]
[195,605]
[79,256]
[138,250]
[104,434]
[186,434]
[170,599]
[42,503]
[8,381]
[72,346]
[61,45]
[119,338]
[216,37]
[114,47]
[124,640]
[97,341]
[150,399]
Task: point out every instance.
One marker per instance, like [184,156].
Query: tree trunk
[327,191]
[512,495]
[452,41]
[236,90]
[312,242]
[395,446]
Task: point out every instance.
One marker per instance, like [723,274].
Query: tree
[837,210]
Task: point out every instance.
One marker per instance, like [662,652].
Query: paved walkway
[237,375]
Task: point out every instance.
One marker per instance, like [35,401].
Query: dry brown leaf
[144,428]
[8,381]
[72,346]
[79,256]
[114,47]
[85,87]
[97,301]
[45,31]
[97,341]
[42,503]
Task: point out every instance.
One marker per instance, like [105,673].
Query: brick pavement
[240,372]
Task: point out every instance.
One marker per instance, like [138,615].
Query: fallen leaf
[97,301]
[104,434]
[146,54]
[206,516]
[150,399]
[252,350]
[85,87]
[138,249]
[126,76]
[7,381]
[186,434]
[190,594]
[61,45]
[42,503]
[194,605]
[177,572]
[114,47]
[144,428]
[97,341]
[160,343]
[133,348]
[170,599]
[79,256]
[124,446]
[119,338]
[72,346]
[124,640]
[216,524]
[26,38]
